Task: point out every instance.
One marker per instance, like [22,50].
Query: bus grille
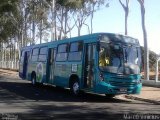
[122,84]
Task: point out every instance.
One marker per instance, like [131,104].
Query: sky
[111,20]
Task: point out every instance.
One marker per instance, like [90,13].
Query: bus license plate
[123,89]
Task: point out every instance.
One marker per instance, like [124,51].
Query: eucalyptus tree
[62,13]
[68,14]
[52,12]
[87,11]
[6,9]
[80,16]
[94,6]
[7,27]
[146,51]
[126,10]
[65,11]
[42,18]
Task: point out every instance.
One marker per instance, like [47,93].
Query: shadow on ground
[51,103]
[44,92]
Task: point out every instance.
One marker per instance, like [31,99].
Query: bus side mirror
[98,46]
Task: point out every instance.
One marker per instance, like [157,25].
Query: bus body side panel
[61,71]
[64,71]
[40,70]
[31,68]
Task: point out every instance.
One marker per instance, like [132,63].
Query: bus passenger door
[89,66]
[51,65]
[25,64]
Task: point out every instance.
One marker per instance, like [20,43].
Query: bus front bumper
[105,88]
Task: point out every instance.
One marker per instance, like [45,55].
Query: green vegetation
[26,22]
[152,59]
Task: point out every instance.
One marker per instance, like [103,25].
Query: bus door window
[104,56]
[51,63]
[90,61]
[25,63]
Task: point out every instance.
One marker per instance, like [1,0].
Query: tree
[61,16]
[94,6]
[146,51]
[81,16]
[7,27]
[67,9]
[41,18]
[52,5]
[87,11]
[126,10]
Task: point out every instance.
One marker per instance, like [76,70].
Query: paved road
[20,100]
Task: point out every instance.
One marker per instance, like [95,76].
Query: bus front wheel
[74,87]
[110,95]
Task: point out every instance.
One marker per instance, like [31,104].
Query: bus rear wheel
[74,87]
[33,80]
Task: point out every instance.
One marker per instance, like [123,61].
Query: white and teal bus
[103,63]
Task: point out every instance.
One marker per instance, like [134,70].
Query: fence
[9,65]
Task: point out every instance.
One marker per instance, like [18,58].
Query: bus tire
[33,79]
[74,87]
[110,95]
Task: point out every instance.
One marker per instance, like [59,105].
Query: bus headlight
[139,81]
[101,77]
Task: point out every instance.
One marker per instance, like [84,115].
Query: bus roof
[83,37]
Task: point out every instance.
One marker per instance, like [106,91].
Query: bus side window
[35,52]
[75,53]
[62,52]
[42,54]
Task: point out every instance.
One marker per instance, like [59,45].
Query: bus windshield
[110,57]
[119,58]
[132,55]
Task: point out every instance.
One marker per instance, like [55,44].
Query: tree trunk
[33,25]
[40,31]
[93,7]
[91,23]
[1,51]
[126,10]
[146,51]
[53,30]
[65,22]
[79,31]
[126,23]
[21,38]
[55,26]
[61,23]
[33,32]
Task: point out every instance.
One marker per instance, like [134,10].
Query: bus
[101,63]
